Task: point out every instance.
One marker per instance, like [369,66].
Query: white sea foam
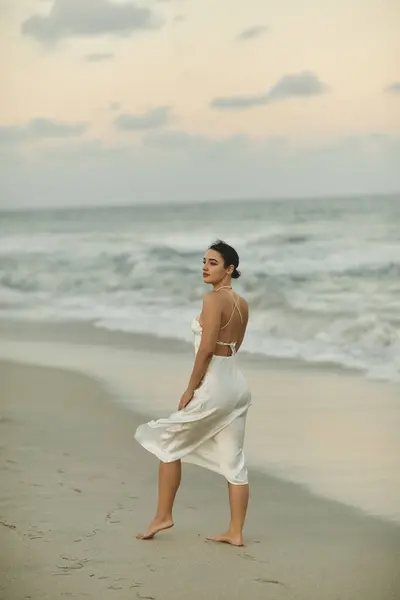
[322,278]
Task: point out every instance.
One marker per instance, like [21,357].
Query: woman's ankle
[163,517]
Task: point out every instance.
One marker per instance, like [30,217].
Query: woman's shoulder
[240,298]
[222,299]
[210,298]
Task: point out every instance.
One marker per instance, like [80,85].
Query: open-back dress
[209,431]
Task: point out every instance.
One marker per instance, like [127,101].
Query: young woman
[209,426]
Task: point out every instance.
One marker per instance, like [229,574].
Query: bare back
[234,319]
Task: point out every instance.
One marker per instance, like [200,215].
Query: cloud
[98,56]
[239,102]
[78,18]
[251,33]
[304,84]
[393,88]
[152,119]
[40,128]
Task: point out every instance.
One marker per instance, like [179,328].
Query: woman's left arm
[211,323]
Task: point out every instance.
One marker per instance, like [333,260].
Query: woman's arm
[211,321]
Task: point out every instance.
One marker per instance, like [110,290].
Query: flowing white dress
[209,432]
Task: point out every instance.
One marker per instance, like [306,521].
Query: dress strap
[232,345]
[235,307]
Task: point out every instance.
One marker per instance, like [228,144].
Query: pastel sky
[108,101]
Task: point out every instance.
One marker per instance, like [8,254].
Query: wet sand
[75,488]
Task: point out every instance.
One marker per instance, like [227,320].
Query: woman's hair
[229,255]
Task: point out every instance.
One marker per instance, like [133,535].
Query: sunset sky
[107,101]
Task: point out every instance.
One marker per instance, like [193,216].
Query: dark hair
[229,255]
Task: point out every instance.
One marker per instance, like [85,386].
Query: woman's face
[213,267]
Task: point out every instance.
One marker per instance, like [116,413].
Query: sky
[122,102]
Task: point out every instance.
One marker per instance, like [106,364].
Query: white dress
[209,432]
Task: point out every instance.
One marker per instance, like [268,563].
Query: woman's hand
[186,398]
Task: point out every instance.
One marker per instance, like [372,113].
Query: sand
[75,488]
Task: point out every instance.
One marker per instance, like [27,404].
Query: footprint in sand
[72,564]
[274,581]
[151,568]
[9,525]
[35,536]
[247,556]
[115,587]
[71,567]
[92,533]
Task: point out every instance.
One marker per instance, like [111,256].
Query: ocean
[322,276]
[322,281]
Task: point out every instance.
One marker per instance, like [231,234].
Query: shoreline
[79,332]
[77,487]
[296,418]
[113,396]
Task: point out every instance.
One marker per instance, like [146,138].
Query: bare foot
[227,538]
[155,526]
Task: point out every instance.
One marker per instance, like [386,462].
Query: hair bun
[229,255]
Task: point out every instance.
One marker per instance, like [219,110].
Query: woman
[208,428]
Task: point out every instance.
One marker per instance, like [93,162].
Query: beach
[140,174]
[76,487]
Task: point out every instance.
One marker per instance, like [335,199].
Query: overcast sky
[111,101]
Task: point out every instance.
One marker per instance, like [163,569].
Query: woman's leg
[238,502]
[169,478]
[229,449]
